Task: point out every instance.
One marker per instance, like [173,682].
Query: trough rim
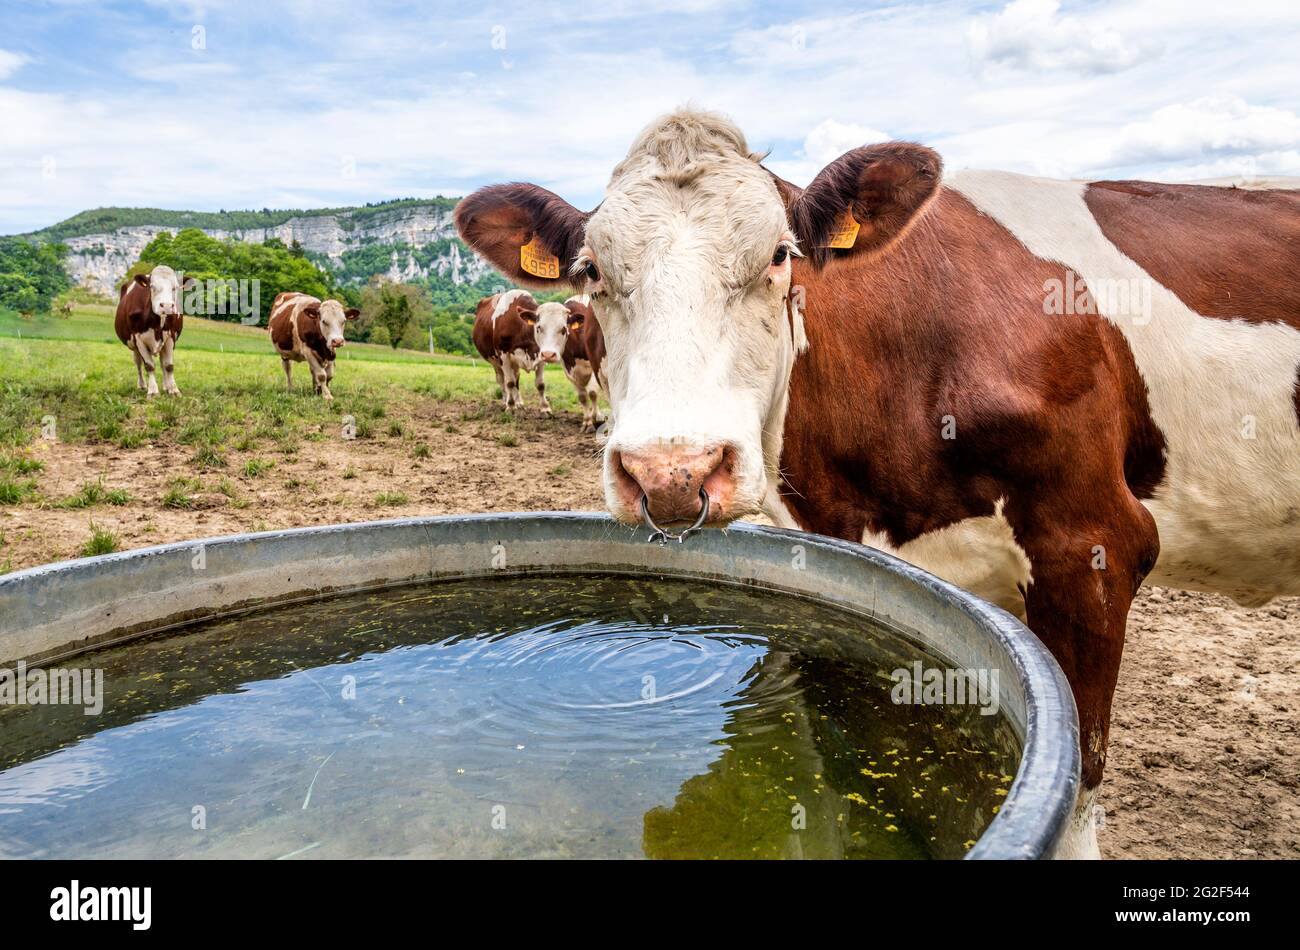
[1033,817]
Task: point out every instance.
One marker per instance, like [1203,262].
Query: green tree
[401,309]
[31,274]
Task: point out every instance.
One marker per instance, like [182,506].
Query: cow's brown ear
[575,321]
[313,312]
[527,233]
[142,279]
[528,316]
[352,313]
[864,199]
[190,283]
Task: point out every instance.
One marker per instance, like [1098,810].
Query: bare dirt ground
[1205,751]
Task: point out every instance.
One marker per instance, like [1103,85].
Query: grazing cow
[1045,391]
[564,332]
[304,328]
[149,321]
[505,336]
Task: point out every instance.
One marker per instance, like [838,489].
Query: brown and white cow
[504,335]
[149,321]
[303,328]
[969,382]
[567,333]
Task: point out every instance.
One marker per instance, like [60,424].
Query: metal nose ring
[662,535]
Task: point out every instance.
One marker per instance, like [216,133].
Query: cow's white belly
[1221,391]
[979,555]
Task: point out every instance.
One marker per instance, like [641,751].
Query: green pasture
[75,370]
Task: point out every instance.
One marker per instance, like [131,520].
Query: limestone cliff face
[100,261]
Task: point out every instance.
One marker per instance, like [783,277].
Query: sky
[215,104]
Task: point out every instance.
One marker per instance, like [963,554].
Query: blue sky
[237,103]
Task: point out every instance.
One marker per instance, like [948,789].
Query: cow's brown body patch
[1028,393]
[1003,407]
[1224,252]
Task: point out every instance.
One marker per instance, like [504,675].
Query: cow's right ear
[313,312]
[864,200]
[529,317]
[142,279]
[527,233]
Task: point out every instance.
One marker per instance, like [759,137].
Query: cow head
[554,323]
[165,289]
[688,263]
[333,318]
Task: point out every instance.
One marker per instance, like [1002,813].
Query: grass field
[75,370]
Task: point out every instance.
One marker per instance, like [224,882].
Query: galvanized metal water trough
[52,612]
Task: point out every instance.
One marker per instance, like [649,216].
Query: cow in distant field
[1044,391]
[305,329]
[505,335]
[149,321]
[567,333]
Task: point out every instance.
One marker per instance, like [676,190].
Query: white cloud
[830,139]
[1031,35]
[425,105]
[1206,128]
[10,63]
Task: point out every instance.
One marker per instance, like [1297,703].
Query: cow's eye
[592,274]
[781,255]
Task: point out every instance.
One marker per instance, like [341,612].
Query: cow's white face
[164,292]
[690,285]
[687,263]
[333,318]
[552,331]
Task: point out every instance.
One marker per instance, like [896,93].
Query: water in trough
[558,716]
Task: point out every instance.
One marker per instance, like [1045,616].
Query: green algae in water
[574,717]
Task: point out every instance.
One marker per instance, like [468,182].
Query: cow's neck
[861,449]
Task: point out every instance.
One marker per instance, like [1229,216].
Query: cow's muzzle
[676,484]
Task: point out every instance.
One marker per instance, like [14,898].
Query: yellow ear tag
[536,260]
[845,233]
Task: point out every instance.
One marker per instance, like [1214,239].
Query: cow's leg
[319,377]
[144,350]
[169,377]
[593,394]
[139,366]
[501,382]
[541,388]
[510,374]
[581,380]
[587,425]
[288,373]
[1088,559]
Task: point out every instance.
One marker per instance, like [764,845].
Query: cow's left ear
[575,321]
[190,283]
[528,233]
[351,313]
[863,200]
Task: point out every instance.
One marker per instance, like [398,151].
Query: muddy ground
[1205,756]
